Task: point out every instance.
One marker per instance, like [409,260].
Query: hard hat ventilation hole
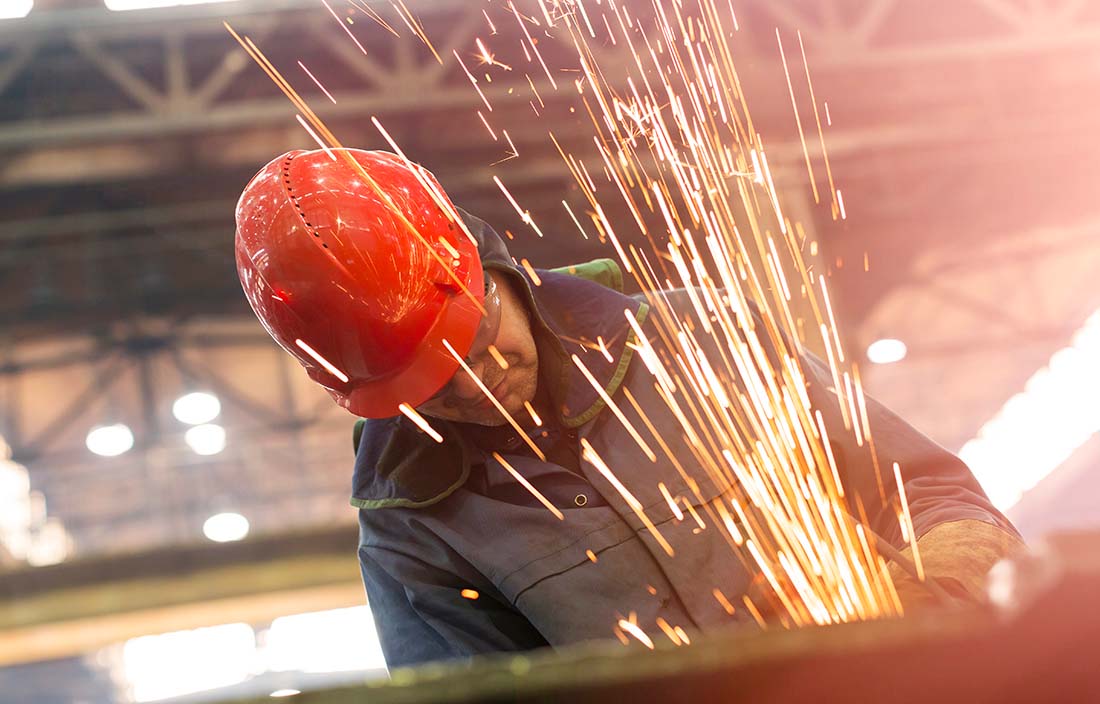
[297,202]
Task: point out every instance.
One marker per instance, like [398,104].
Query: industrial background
[962,133]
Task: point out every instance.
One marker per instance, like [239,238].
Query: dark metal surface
[1039,646]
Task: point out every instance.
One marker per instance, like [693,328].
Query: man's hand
[960,554]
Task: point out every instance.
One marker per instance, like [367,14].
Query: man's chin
[491,416]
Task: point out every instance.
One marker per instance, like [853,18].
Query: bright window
[14,9]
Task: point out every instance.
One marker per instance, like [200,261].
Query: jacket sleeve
[939,486]
[421,614]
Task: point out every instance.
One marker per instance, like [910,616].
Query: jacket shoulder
[398,465]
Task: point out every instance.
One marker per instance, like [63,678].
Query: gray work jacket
[437,519]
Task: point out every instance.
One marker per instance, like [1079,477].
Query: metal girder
[178,105]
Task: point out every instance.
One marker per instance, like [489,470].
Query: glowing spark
[638,633]
[591,555]
[534,416]
[498,357]
[530,272]
[314,79]
[374,16]
[909,523]
[486,123]
[754,611]
[412,23]
[589,454]
[315,137]
[615,409]
[575,220]
[797,118]
[817,116]
[441,200]
[322,361]
[721,598]
[532,44]
[488,58]
[515,152]
[672,635]
[832,320]
[469,594]
[343,26]
[415,417]
[529,487]
[523,214]
[603,349]
[492,27]
[535,91]
[671,504]
[473,81]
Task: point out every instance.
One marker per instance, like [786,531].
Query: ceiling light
[120,5]
[196,408]
[1039,428]
[110,440]
[886,351]
[225,527]
[207,439]
[14,9]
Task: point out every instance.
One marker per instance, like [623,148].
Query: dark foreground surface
[1040,644]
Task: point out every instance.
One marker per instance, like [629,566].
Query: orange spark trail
[529,487]
[420,421]
[342,25]
[314,79]
[589,453]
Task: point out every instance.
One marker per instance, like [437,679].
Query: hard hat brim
[432,365]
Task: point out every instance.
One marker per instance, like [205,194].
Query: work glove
[959,555]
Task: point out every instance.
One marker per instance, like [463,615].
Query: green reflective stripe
[616,379]
[409,503]
[605,272]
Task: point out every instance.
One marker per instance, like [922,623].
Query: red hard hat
[354,268]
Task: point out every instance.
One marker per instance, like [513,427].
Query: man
[359,266]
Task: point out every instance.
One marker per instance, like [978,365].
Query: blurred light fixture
[206,439]
[886,351]
[196,408]
[338,640]
[121,5]
[1039,428]
[285,692]
[184,662]
[110,440]
[225,527]
[14,9]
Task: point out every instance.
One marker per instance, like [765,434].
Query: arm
[961,535]
[421,615]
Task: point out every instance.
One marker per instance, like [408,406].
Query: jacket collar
[570,315]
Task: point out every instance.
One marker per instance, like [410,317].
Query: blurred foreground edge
[1039,643]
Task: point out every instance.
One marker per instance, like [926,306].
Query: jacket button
[580,499]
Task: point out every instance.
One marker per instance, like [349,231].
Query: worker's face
[462,399]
